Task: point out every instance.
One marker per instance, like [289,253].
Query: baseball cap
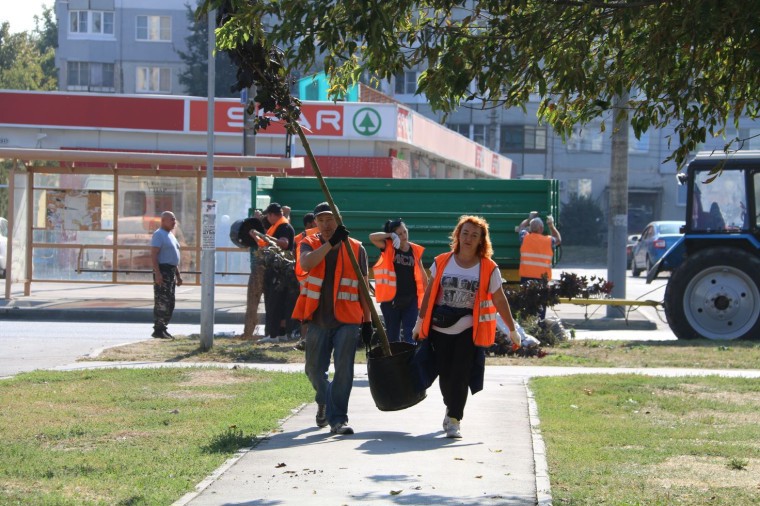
[274,207]
[322,208]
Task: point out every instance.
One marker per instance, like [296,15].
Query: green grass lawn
[633,440]
[131,437]
[698,353]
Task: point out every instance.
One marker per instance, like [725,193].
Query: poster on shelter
[73,210]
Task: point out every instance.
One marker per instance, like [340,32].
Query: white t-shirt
[458,289]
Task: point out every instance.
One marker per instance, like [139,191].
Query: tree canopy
[27,60]
[689,65]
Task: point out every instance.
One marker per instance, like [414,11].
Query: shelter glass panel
[141,202]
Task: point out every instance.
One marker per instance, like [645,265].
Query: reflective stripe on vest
[536,256]
[300,273]
[271,230]
[385,273]
[483,312]
[345,286]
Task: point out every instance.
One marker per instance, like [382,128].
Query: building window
[154,80]
[91,22]
[579,188]
[640,145]
[154,28]
[88,76]
[588,139]
[461,128]
[406,83]
[481,134]
[522,139]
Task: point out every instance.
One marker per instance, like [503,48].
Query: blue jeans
[395,318]
[341,342]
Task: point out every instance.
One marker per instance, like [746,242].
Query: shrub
[583,222]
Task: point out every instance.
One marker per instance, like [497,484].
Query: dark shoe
[321,415]
[300,345]
[160,333]
[342,429]
[167,335]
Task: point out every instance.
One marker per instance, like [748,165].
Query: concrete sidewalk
[134,304]
[118,303]
[394,458]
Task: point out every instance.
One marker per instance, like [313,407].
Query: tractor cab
[714,291]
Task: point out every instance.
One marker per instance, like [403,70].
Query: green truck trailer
[430,207]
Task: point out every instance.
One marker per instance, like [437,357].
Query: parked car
[3,246]
[630,244]
[655,240]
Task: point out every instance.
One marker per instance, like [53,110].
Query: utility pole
[247,96]
[208,214]
[618,203]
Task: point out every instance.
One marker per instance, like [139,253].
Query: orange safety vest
[346,303]
[271,230]
[385,273]
[300,273]
[536,256]
[483,310]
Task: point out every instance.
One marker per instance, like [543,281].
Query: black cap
[274,207]
[322,208]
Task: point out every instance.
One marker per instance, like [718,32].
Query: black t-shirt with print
[406,288]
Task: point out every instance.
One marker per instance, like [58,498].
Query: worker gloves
[339,235]
[367,332]
[516,339]
[396,240]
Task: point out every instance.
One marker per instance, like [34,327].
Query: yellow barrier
[609,302]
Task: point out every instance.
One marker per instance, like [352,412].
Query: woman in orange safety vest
[400,279]
[458,314]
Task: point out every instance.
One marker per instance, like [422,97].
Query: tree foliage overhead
[27,60]
[690,65]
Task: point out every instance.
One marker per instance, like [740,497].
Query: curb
[219,471]
[185,316]
[543,483]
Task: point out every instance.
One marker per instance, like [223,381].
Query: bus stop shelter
[78,216]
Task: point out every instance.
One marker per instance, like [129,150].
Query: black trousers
[163,296]
[275,305]
[454,357]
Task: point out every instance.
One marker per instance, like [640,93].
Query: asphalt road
[26,346]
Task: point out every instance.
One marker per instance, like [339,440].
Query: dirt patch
[187,394]
[705,393]
[214,377]
[704,473]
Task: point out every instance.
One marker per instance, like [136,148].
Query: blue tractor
[714,289]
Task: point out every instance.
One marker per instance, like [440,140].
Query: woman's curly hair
[485,250]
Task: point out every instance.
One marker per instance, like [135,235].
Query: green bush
[583,222]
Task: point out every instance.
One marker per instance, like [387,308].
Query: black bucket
[392,380]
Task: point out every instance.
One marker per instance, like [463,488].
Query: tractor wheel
[708,298]
[635,271]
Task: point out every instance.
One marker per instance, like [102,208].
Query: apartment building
[121,46]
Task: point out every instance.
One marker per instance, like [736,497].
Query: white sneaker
[446,421]
[452,431]
[282,339]
[267,339]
